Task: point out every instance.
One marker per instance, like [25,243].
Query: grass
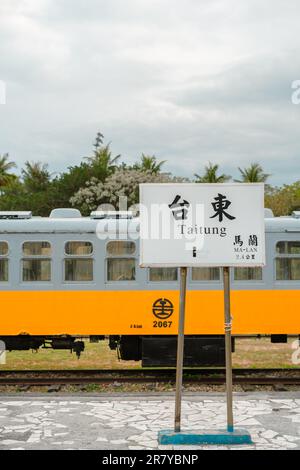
[95,356]
[261,353]
[249,353]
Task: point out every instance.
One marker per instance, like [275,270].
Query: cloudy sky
[190,81]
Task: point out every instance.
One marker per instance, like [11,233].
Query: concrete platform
[133,421]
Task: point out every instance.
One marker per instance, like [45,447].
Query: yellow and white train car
[65,277]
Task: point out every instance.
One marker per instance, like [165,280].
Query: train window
[3,248]
[288,269]
[78,269]
[248,274]
[79,248]
[36,270]
[3,270]
[288,247]
[119,248]
[205,274]
[121,269]
[36,249]
[162,274]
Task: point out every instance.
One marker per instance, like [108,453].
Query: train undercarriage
[152,351]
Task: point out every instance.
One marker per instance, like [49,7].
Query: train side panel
[136,312]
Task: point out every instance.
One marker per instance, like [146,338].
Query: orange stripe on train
[131,312]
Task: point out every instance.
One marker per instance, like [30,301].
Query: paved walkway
[132,422]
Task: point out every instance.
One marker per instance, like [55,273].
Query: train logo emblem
[162,308]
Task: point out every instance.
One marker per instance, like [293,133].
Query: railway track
[134,376]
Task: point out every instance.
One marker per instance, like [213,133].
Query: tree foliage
[38,192]
[283,200]
[102,178]
[122,183]
[102,163]
[36,176]
[6,177]
[149,163]
[211,175]
[253,174]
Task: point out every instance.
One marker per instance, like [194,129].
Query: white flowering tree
[122,183]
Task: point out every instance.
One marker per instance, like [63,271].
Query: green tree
[56,194]
[283,200]
[5,166]
[65,185]
[36,176]
[150,163]
[211,175]
[15,197]
[253,174]
[102,162]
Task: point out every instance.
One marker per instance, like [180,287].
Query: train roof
[62,221]
[68,225]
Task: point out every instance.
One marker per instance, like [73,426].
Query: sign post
[228,352]
[202,225]
[180,349]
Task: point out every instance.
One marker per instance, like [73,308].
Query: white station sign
[199,224]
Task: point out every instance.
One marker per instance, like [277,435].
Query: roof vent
[65,214]
[15,215]
[111,215]
[268,213]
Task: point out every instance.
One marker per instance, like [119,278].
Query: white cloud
[190,81]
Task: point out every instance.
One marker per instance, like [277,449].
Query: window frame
[79,256]
[130,281]
[8,250]
[6,257]
[248,280]
[277,254]
[30,258]
[117,256]
[83,257]
[207,281]
[8,264]
[65,281]
[108,255]
[283,256]
[25,257]
[36,256]
[155,282]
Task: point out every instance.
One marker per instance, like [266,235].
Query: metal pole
[180,348]
[228,355]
